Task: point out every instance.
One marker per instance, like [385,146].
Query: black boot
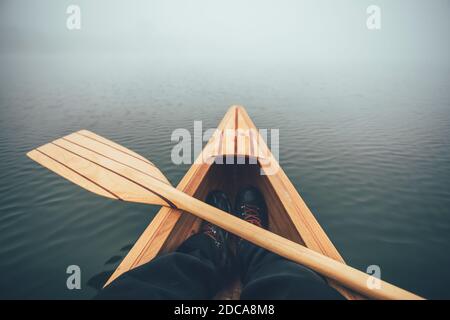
[225,258]
[251,207]
[219,200]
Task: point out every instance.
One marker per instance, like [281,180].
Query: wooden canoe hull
[289,216]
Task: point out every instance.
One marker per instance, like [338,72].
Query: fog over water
[225,31]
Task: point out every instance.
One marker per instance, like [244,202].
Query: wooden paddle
[108,169]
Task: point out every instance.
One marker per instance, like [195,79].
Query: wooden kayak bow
[111,170]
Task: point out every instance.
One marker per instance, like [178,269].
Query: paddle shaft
[342,273]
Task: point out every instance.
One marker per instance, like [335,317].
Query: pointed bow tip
[237,106]
[83,131]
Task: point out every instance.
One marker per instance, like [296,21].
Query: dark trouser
[194,272]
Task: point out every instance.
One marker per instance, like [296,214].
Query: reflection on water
[97,281]
[367,148]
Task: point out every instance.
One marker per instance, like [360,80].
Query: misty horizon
[288,32]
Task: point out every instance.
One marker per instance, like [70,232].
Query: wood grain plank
[116,155]
[102,171]
[69,174]
[112,144]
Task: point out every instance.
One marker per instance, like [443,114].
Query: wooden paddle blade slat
[120,156]
[124,182]
[69,174]
[131,185]
[112,144]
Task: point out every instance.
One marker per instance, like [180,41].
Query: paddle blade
[102,167]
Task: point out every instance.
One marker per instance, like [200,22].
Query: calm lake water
[367,146]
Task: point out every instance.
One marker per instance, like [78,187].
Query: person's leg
[196,270]
[191,272]
[266,275]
